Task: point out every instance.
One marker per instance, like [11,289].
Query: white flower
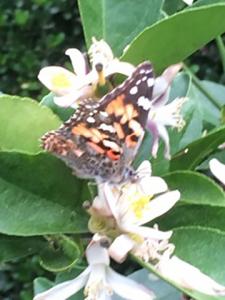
[133,204]
[101,53]
[69,88]
[162,114]
[188,276]
[218,169]
[100,281]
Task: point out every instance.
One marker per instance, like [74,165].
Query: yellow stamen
[139,204]
[101,78]
[61,81]
[137,238]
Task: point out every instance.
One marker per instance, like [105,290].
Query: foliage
[35,34]
[40,200]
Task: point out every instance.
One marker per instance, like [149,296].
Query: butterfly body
[101,139]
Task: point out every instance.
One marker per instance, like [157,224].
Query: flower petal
[153,185]
[144,169]
[161,89]
[66,289]
[148,232]
[188,2]
[73,97]
[159,206]
[161,92]
[218,169]
[77,60]
[127,288]
[117,66]
[120,247]
[189,277]
[170,73]
[96,254]
[165,137]
[57,79]
[152,128]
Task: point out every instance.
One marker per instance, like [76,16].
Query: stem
[201,87]
[221,48]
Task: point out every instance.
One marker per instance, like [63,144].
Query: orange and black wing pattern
[100,140]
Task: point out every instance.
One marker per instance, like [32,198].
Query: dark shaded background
[33,34]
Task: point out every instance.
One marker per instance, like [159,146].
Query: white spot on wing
[106,127]
[144,102]
[104,114]
[90,120]
[138,82]
[134,90]
[150,82]
[111,145]
[136,127]
[144,78]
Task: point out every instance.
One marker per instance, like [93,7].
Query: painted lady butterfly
[101,139]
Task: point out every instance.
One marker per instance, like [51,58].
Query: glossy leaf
[159,44]
[172,6]
[204,248]
[42,284]
[161,289]
[101,20]
[195,152]
[202,202]
[206,2]
[60,254]
[12,247]
[39,195]
[220,155]
[62,112]
[206,193]
[22,122]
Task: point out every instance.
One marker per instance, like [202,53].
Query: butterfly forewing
[101,138]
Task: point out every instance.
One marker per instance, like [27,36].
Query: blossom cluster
[120,213]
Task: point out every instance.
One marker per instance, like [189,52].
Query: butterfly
[101,139]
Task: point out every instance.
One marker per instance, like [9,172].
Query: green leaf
[42,284]
[12,247]
[207,2]
[207,193]
[180,86]
[21,16]
[206,112]
[172,6]
[204,248]
[202,202]
[220,155]
[64,113]
[61,254]
[39,195]
[102,21]
[171,40]
[194,153]
[22,122]
[161,289]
